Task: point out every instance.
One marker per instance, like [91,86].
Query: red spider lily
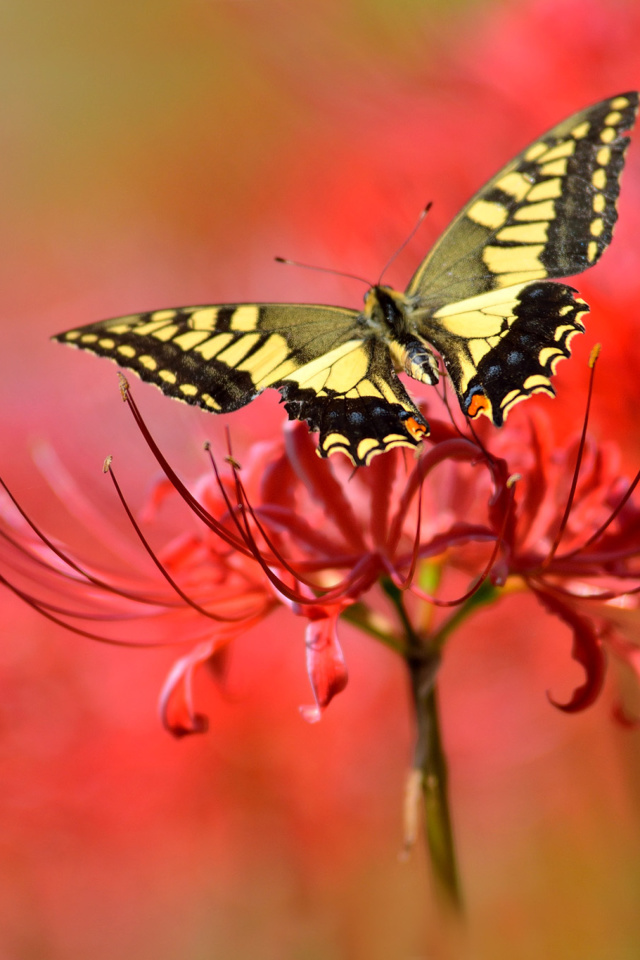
[320,538]
[216,587]
[571,535]
[289,528]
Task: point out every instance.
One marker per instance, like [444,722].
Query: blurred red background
[157,155]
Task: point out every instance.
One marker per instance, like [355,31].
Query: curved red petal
[587,651]
[177,711]
[325,662]
[322,485]
[278,482]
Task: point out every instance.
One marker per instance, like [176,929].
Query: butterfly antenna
[404,243]
[310,266]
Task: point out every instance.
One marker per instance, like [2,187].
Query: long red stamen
[576,473]
[415,553]
[379,476]
[243,508]
[314,542]
[250,546]
[175,480]
[160,566]
[91,578]
[41,608]
[322,596]
[71,494]
[279,558]
[447,450]
[418,592]
[607,523]
[323,487]
[444,395]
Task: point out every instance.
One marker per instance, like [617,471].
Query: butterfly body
[483,300]
[389,316]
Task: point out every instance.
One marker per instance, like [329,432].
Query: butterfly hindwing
[501,347]
[355,401]
[222,357]
[548,213]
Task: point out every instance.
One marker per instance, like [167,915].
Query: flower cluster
[290,529]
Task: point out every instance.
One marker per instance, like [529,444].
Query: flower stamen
[158,563]
[66,559]
[177,483]
[576,473]
[607,523]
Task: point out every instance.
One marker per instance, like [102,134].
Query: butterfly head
[385,308]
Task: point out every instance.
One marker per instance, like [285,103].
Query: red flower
[317,538]
[217,597]
[289,528]
[571,535]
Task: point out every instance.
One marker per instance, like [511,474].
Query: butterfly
[481,300]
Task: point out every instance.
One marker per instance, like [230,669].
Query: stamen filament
[161,567]
[175,480]
[599,532]
[96,581]
[576,473]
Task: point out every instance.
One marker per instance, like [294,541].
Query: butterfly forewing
[548,213]
[481,298]
[222,357]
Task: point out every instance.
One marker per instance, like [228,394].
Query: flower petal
[322,485]
[325,661]
[177,711]
[587,651]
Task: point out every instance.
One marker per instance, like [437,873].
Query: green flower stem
[421,649]
[366,620]
[485,594]
[423,659]
[430,759]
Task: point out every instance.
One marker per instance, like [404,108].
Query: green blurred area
[101,99]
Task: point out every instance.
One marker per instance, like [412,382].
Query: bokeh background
[162,153]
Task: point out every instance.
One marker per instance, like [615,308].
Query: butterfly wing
[501,347]
[222,357]
[548,213]
[480,296]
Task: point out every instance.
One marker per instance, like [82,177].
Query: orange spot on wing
[479,404]
[415,428]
